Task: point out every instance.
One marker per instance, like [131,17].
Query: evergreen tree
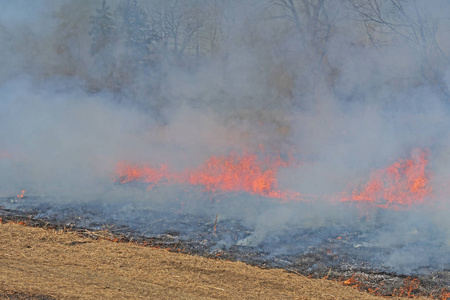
[138,34]
[102,29]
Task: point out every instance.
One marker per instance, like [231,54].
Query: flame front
[400,185]
[404,183]
[236,173]
[232,173]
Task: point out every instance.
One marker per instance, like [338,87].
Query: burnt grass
[324,260]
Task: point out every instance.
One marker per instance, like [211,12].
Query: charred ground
[340,254]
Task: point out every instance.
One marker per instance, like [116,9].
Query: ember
[444,294]
[352,281]
[21,195]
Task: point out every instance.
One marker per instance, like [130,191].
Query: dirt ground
[36,263]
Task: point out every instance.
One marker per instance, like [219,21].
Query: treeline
[288,52]
[128,39]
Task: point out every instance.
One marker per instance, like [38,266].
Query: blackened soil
[319,262]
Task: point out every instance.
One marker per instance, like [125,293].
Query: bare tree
[314,20]
[308,26]
[407,21]
[179,24]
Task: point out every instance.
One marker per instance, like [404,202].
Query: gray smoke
[345,98]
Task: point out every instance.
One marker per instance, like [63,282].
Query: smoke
[248,81]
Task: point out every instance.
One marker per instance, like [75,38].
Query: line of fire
[404,183]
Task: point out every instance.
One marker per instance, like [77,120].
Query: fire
[445,294]
[128,172]
[237,173]
[404,183]
[352,281]
[21,195]
[233,173]
[409,286]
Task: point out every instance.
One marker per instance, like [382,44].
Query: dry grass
[35,261]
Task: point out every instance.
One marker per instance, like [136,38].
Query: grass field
[37,263]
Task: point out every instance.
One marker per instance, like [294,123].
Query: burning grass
[248,173]
[400,185]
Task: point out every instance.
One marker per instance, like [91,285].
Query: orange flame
[409,286]
[400,185]
[233,173]
[128,172]
[21,194]
[403,183]
[445,294]
[237,173]
[352,281]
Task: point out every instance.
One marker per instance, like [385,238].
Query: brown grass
[35,261]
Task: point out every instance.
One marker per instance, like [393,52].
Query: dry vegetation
[44,264]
